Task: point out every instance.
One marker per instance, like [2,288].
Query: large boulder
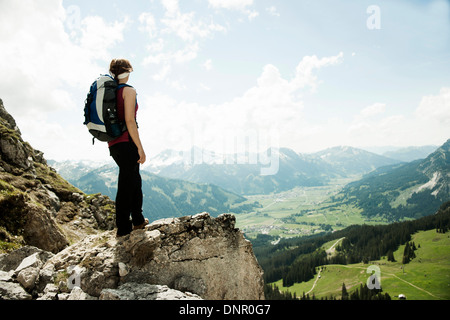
[207,257]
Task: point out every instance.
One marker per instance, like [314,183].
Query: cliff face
[60,242]
[37,206]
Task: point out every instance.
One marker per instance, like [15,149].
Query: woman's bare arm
[129,97]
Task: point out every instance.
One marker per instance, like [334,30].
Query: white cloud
[428,124]
[252,15]
[436,108]
[372,110]
[274,104]
[180,35]
[171,7]
[304,72]
[162,74]
[165,60]
[367,130]
[238,5]
[186,26]
[42,58]
[98,36]
[366,125]
[204,87]
[148,24]
[208,65]
[272,11]
[231,4]
[48,56]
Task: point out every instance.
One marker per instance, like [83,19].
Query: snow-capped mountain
[73,170]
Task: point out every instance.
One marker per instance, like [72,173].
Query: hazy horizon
[379,150]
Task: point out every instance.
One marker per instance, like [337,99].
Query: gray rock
[30,261]
[6,276]
[13,291]
[27,277]
[144,291]
[42,231]
[50,292]
[63,296]
[78,294]
[12,260]
[185,283]
[123,269]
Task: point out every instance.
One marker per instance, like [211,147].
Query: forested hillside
[410,190]
[164,197]
[295,260]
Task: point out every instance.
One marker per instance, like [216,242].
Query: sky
[232,75]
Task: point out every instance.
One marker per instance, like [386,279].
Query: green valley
[301,211]
[388,194]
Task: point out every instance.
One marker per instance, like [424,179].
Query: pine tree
[390,256]
[344,292]
[406,253]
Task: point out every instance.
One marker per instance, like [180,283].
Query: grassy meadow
[300,211]
[426,277]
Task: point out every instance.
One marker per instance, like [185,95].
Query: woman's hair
[119,66]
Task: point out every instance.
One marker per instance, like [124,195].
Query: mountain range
[242,176]
[175,182]
[406,190]
[409,154]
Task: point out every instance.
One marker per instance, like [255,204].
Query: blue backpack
[100,110]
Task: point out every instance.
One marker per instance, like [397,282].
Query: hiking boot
[142,225]
[121,236]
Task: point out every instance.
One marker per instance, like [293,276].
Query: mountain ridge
[411,153]
[163,197]
[350,160]
[241,174]
[408,190]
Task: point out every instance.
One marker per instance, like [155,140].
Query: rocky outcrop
[37,206]
[193,257]
[23,266]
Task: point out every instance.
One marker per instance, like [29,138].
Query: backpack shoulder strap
[120,86]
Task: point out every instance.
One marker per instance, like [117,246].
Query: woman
[128,153]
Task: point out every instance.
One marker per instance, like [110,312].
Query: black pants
[129,188]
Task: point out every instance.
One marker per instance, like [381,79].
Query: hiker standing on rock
[128,153]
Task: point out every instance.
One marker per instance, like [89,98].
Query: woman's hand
[142,157]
